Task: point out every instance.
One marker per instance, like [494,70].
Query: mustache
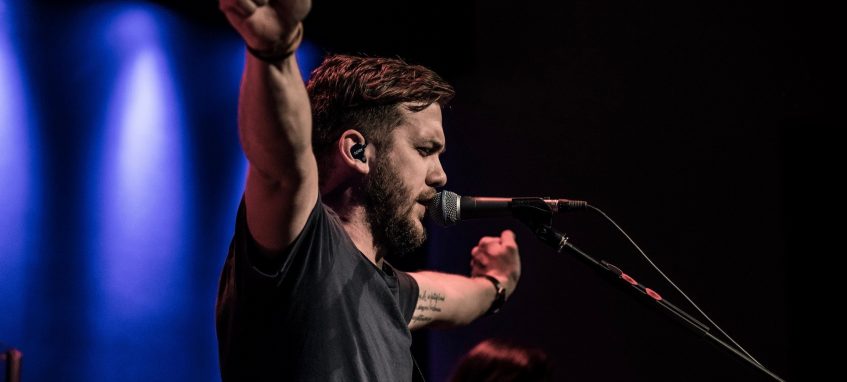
[427,196]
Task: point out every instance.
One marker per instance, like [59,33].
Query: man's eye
[424,151]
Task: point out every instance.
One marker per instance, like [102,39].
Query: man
[306,293]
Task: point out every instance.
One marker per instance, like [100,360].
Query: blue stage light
[19,178]
[142,201]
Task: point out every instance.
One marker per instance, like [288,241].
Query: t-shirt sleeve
[309,254]
[409,292]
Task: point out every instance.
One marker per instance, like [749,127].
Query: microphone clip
[537,214]
[532,211]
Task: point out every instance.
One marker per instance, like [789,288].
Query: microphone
[448,208]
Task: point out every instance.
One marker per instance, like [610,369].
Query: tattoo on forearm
[428,302]
[421,318]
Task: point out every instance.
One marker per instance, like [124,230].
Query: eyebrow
[437,146]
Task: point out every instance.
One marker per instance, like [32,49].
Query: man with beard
[332,190]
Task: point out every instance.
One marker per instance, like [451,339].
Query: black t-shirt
[322,312]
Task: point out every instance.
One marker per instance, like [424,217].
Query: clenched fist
[498,257]
[266,25]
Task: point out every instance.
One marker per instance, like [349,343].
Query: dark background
[689,122]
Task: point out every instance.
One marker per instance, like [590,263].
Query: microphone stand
[538,216]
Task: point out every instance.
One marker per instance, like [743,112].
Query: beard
[388,208]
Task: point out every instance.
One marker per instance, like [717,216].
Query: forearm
[275,118]
[450,300]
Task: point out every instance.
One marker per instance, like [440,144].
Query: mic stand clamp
[536,214]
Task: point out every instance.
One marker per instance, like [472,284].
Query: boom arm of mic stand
[536,214]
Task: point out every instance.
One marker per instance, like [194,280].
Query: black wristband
[499,298]
[269,57]
[281,51]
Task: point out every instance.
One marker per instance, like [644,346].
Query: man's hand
[498,257]
[266,25]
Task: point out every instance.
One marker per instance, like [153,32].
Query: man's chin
[420,229]
[415,241]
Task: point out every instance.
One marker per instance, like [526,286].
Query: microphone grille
[444,208]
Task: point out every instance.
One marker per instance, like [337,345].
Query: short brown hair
[364,93]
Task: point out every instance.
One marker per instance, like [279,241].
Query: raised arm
[274,120]
[451,300]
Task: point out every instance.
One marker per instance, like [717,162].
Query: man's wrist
[281,50]
[499,294]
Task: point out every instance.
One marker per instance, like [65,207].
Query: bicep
[277,210]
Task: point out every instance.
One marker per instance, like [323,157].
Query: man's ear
[355,151]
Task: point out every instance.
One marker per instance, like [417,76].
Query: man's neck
[354,220]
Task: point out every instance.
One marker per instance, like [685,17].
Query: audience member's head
[499,361]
